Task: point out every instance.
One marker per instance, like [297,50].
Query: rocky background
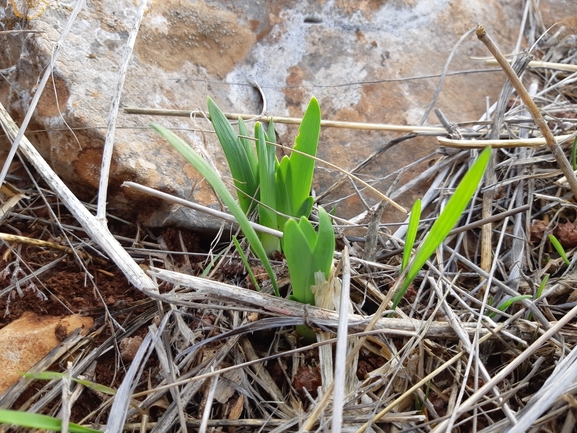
[366,61]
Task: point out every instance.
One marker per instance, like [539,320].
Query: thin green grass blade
[559,248]
[412,230]
[37,421]
[220,188]
[55,375]
[245,262]
[542,286]
[539,292]
[447,220]
[503,306]
[240,160]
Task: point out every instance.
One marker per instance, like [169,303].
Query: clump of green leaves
[278,190]
[281,188]
[443,225]
[308,252]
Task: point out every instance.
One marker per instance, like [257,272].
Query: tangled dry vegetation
[207,352]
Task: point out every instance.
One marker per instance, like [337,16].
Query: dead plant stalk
[532,107]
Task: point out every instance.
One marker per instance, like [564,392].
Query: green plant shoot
[279,187]
[245,262]
[308,252]
[55,375]
[37,421]
[446,221]
[220,188]
[559,248]
[504,305]
[294,174]
[414,220]
[240,155]
[540,290]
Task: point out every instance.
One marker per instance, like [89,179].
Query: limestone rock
[28,339]
[366,61]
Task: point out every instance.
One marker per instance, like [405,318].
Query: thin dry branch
[97,231]
[414,129]
[554,146]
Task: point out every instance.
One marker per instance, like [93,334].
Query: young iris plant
[282,189]
[278,190]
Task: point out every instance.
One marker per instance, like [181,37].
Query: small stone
[129,346]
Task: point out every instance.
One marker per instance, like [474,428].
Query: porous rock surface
[355,57]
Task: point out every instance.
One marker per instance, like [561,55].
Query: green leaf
[239,155]
[447,220]
[307,141]
[248,146]
[542,286]
[34,420]
[307,252]
[559,248]
[298,253]
[246,263]
[220,188]
[324,250]
[503,306]
[271,133]
[266,171]
[297,170]
[55,375]
[414,220]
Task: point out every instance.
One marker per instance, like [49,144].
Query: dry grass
[218,356]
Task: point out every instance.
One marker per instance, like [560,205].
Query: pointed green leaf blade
[299,173]
[299,260]
[249,147]
[37,421]
[447,219]
[220,188]
[266,171]
[411,233]
[324,249]
[240,161]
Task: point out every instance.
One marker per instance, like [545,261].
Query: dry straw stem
[50,245]
[500,144]
[113,114]
[543,65]
[392,405]
[209,211]
[421,130]
[40,90]
[511,366]
[224,295]
[550,140]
